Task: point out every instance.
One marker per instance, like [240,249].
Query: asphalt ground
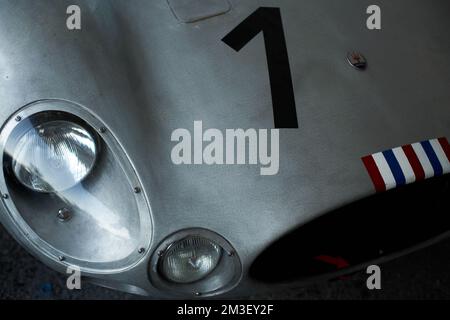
[421,275]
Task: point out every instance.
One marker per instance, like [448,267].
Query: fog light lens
[190,260]
[53,156]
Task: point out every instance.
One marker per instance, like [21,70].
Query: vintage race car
[223,148]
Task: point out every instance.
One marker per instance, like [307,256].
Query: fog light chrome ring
[225,276]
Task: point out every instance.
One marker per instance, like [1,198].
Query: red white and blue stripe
[407,164]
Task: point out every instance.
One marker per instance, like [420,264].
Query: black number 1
[268,20]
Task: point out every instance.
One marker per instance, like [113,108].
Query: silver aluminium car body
[143,71]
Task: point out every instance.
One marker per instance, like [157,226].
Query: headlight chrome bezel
[25,235]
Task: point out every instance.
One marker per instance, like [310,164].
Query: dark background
[420,275]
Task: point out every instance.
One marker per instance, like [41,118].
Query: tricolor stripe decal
[407,164]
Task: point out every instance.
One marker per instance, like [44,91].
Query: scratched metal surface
[144,74]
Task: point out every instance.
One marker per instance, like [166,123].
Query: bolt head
[141,250]
[18,118]
[357,60]
[64,214]
[5,196]
[197,294]
[61,258]
[102,129]
[137,190]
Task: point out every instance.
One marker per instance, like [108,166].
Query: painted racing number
[268,21]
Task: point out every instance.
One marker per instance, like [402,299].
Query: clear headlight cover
[54,156]
[71,189]
[190,260]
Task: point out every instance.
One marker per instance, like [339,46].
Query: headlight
[71,192]
[196,262]
[190,259]
[54,156]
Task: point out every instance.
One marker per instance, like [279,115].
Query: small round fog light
[190,259]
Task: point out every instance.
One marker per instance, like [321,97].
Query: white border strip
[424,161]
[385,170]
[407,170]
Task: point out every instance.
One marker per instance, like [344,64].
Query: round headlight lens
[54,156]
[190,260]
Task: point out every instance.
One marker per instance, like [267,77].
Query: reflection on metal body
[109,222]
[143,74]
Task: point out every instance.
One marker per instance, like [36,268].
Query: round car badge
[357,60]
